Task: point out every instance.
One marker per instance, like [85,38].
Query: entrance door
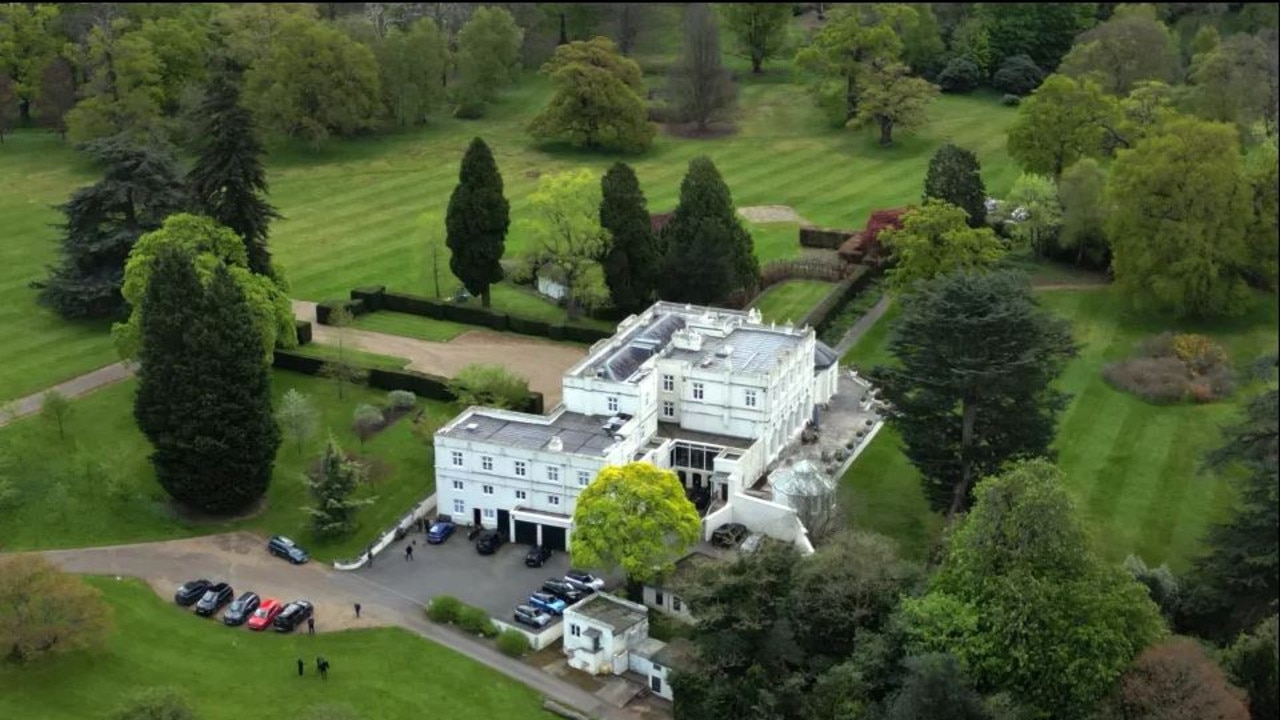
[724,492]
[504,523]
[697,481]
[475,517]
[526,533]
[655,682]
[553,537]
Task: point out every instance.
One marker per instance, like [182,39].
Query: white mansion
[714,395]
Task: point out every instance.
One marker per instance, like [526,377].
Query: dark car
[281,546]
[729,534]
[293,615]
[562,590]
[191,591]
[532,616]
[537,555]
[440,530]
[489,541]
[214,598]
[584,581]
[241,609]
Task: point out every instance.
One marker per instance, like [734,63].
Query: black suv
[281,546]
[729,534]
[293,615]
[191,591]
[214,598]
[562,590]
[241,609]
[538,554]
[489,542]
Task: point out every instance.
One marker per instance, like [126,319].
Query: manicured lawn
[96,487]
[357,357]
[414,326]
[872,348]
[232,673]
[1132,467]
[881,493]
[789,301]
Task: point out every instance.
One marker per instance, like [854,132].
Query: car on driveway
[440,530]
[265,614]
[191,591]
[729,534]
[241,609]
[214,598]
[293,615]
[489,541]
[584,581]
[537,555]
[562,590]
[548,602]
[532,616]
[281,546]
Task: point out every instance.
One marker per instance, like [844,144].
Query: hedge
[371,295]
[285,360]
[326,308]
[413,305]
[444,609]
[433,387]
[377,298]
[825,238]
[476,621]
[843,292]
[513,643]
[303,329]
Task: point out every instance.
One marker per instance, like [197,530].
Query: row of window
[460,505]
[489,490]
[669,408]
[519,468]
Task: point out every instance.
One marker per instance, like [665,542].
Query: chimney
[555,444]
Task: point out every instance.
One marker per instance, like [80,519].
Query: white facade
[602,631]
[712,394]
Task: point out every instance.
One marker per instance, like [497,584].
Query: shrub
[878,222]
[1018,75]
[444,609]
[368,419]
[1157,380]
[1010,100]
[1198,351]
[1174,679]
[490,385]
[474,620]
[959,76]
[401,400]
[1175,368]
[513,643]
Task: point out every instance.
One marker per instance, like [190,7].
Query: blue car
[440,531]
[548,602]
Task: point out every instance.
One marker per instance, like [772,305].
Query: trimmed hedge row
[843,292]
[825,238]
[378,298]
[424,385]
[303,329]
[448,609]
[326,308]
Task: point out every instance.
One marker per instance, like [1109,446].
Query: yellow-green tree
[936,239]
[566,229]
[598,102]
[47,611]
[634,517]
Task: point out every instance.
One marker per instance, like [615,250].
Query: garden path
[75,387]
[865,323]
[241,560]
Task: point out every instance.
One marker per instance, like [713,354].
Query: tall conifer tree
[955,176]
[228,182]
[477,222]
[709,253]
[634,260]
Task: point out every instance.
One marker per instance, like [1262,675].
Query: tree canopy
[413,64]
[1131,46]
[955,177]
[476,222]
[634,259]
[47,611]
[597,102]
[935,239]
[893,100]
[1064,120]
[760,30]
[565,228]
[709,253]
[702,88]
[487,59]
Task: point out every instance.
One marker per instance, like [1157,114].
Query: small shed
[602,631]
[552,282]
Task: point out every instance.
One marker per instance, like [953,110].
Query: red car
[265,613]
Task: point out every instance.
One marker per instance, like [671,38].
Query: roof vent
[555,444]
[724,351]
[473,426]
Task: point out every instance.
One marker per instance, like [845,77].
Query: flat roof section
[749,350]
[580,434]
[675,432]
[617,614]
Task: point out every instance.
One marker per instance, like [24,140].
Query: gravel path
[75,387]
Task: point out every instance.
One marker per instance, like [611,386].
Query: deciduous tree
[123,94]
[1180,207]
[1131,46]
[341,370]
[1043,31]
[1018,75]
[701,86]
[8,108]
[1174,680]
[955,177]
[57,410]
[597,102]
[935,688]
[634,260]
[413,64]
[1040,218]
[1081,191]
[228,182]
[28,41]
[969,41]
[477,222]
[298,417]
[635,518]
[1253,663]
[891,99]
[56,97]
[1262,176]
[1023,602]
[1063,120]
[337,479]
[852,43]
[1237,82]
[140,187]
[936,239]
[709,253]
[47,611]
[566,229]
[965,407]
[488,58]
[760,30]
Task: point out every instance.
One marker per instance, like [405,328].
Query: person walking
[302,667]
[311,625]
[408,553]
[357,611]
[324,669]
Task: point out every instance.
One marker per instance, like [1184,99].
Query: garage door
[553,537]
[526,533]
[504,523]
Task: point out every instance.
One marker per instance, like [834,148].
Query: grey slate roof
[823,356]
[581,434]
[750,351]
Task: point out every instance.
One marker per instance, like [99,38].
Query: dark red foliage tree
[1175,680]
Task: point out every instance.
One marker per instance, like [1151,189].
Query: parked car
[293,615]
[489,541]
[537,555]
[281,546]
[214,598]
[563,590]
[241,609]
[584,581]
[191,591]
[532,616]
[440,530]
[729,534]
[548,602]
[265,614]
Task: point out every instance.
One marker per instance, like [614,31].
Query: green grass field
[357,357]
[790,300]
[232,673]
[96,487]
[1132,467]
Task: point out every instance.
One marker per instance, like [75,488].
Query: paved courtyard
[495,582]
